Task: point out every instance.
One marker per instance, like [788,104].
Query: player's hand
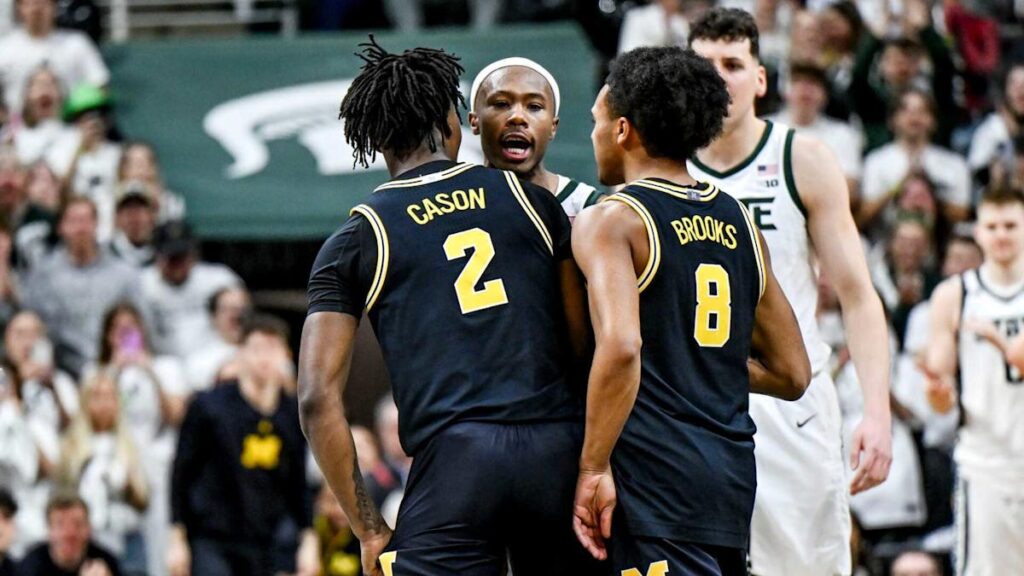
[592,513]
[871,452]
[372,547]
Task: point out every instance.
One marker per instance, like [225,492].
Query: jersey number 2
[714,306]
[493,291]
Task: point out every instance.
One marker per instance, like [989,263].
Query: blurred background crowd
[113,324]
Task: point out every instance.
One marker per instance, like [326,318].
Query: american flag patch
[767,169]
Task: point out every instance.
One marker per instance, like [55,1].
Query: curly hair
[673,97]
[397,100]
[730,25]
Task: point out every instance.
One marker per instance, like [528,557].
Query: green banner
[247,129]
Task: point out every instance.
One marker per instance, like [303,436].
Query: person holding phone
[153,392]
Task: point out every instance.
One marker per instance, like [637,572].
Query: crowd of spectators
[139,391]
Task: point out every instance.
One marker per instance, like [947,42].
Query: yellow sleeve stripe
[524,202]
[429,178]
[762,272]
[653,241]
[383,252]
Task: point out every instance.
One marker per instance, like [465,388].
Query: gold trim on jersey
[755,239]
[683,192]
[653,241]
[524,202]
[383,252]
[426,179]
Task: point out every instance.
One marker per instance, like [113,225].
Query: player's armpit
[325,357]
[780,366]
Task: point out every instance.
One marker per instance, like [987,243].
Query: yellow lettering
[678,227]
[688,226]
[446,205]
[432,210]
[655,569]
[413,212]
[700,228]
[476,198]
[717,226]
[460,199]
[730,241]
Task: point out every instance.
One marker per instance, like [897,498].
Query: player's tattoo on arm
[368,513]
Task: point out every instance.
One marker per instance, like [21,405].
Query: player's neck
[664,168]
[735,145]
[1004,275]
[414,160]
[544,178]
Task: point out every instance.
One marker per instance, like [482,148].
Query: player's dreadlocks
[398,99]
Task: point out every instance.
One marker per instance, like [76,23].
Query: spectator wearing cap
[885,169]
[70,550]
[139,165]
[8,508]
[74,286]
[177,290]
[886,66]
[87,159]
[134,224]
[806,96]
[228,308]
[240,467]
[70,53]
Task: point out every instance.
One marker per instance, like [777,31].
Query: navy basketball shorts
[481,496]
[649,556]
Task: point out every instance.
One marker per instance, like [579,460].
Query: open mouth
[515,147]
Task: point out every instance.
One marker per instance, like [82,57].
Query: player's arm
[779,366]
[940,362]
[338,286]
[602,240]
[574,302]
[822,189]
[325,357]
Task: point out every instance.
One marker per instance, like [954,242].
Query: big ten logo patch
[263,449]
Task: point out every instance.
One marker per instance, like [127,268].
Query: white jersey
[801,520]
[575,196]
[991,440]
[764,182]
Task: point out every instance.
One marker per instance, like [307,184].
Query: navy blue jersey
[685,462]
[457,268]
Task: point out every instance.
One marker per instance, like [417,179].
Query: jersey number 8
[493,291]
[714,306]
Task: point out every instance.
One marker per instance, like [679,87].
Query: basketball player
[462,271]
[678,266]
[515,104]
[796,192]
[974,317]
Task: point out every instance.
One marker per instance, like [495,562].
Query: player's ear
[622,131]
[762,81]
[474,123]
[554,128]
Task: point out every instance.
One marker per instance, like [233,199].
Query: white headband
[515,61]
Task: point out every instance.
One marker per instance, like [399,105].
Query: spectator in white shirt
[87,159]
[913,122]
[228,306]
[992,141]
[806,97]
[176,291]
[69,53]
[153,391]
[660,23]
[139,165]
[41,124]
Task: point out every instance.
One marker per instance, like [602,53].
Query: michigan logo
[307,113]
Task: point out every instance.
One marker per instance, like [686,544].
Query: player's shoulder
[616,211]
[950,289]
